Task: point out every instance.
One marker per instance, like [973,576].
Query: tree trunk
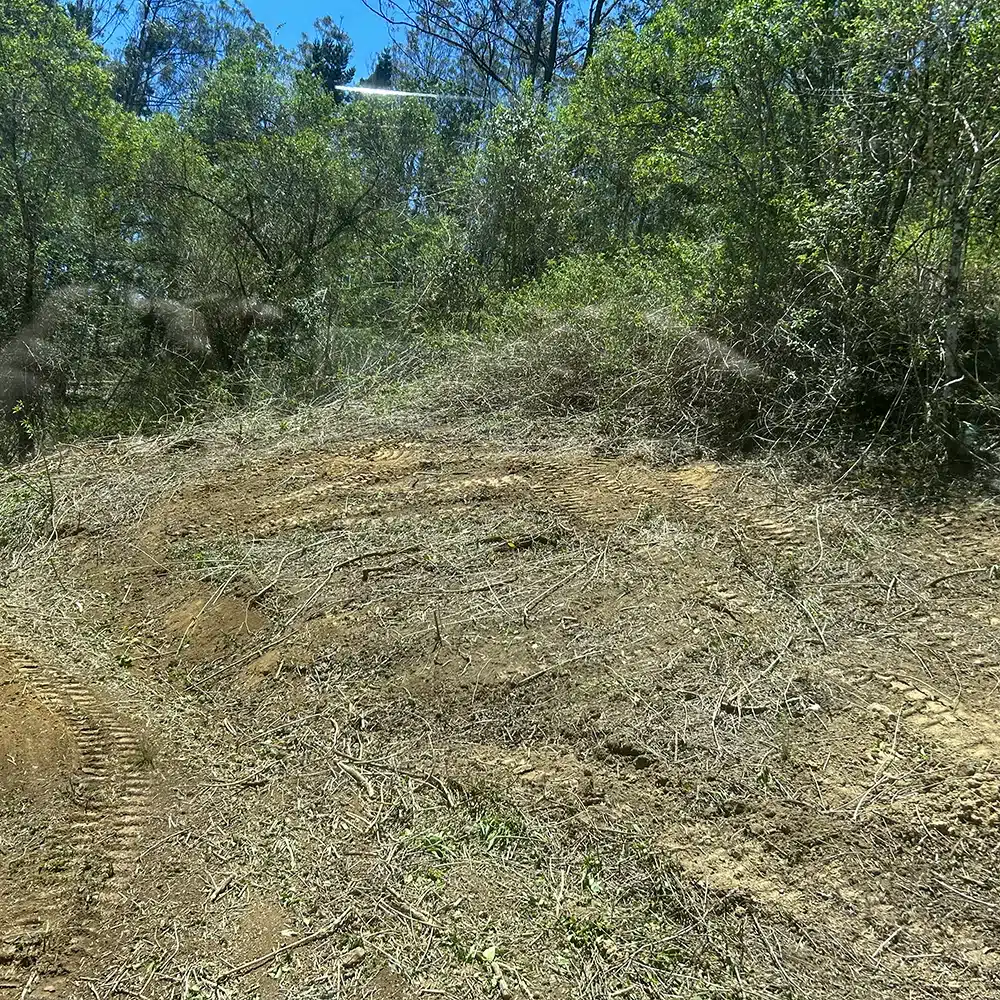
[134,93]
[536,48]
[962,200]
[30,249]
[596,17]
[550,63]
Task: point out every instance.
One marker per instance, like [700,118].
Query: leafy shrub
[608,334]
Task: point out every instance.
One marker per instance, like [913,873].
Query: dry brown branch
[991,570]
[559,584]
[256,963]
[372,555]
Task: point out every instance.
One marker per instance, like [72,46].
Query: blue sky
[367,30]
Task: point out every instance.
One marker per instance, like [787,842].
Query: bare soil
[369,707]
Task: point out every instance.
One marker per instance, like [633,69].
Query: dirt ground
[359,707]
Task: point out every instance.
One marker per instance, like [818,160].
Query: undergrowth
[633,342]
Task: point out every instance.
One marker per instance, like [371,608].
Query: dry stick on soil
[372,555]
[520,682]
[806,610]
[221,888]
[819,538]
[384,568]
[429,779]
[323,932]
[246,658]
[880,773]
[287,724]
[333,569]
[888,941]
[489,585]
[407,909]
[32,979]
[156,562]
[301,551]
[992,570]
[531,605]
[358,777]
[748,686]
[359,762]
[307,602]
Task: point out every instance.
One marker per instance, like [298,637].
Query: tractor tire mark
[970,735]
[88,873]
[604,493]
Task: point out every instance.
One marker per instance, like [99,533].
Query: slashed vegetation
[389,708]
[533,538]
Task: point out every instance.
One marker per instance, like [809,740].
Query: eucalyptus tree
[66,151]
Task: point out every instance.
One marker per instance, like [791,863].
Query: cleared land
[377,708]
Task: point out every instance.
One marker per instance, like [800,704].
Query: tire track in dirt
[805,862]
[604,493]
[942,755]
[90,870]
[600,491]
[692,493]
[972,533]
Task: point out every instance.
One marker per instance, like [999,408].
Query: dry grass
[464,711]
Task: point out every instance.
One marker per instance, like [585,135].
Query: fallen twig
[302,550]
[507,544]
[384,568]
[221,888]
[992,570]
[372,555]
[358,777]
[256,963]
[531,605]
[521,681]
[407,909]
[819,538]
[888,941]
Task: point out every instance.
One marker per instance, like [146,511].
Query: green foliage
[170,46]
[613,335]
[741,221]
[522,193]
[832,157]
[240,101]
[382,72]
[62,139]
[327,57]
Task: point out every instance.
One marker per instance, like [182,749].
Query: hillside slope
[375,708]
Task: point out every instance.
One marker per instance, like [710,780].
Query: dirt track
[489,721]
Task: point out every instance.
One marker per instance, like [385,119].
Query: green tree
[327,56]
[64,146]
[841,158]
[521,193]
[280,185]
[382,72]
[172,44]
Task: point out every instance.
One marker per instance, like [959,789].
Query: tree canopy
[819,181]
